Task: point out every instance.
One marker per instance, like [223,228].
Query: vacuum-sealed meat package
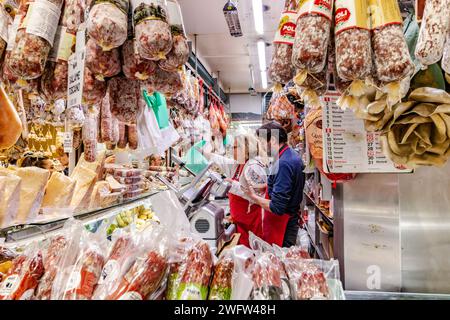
[177,265]
[104,64]
[134,67]
[353,40]
[108,23]
[391,54]
[179,54]
[124,94]
[35,37]
[23,277]
[93,89]
[281,69]
[221,284]
[152,30]
[312,35]
[433,31]
[90,129]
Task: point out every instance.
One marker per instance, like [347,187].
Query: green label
[192,291]
[172,286]
[123,5]
[218,293]
[144,12]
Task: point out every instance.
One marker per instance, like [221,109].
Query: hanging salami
[123,95]
[281,69]
[312,35]
[34,37]
[104,64]
[433,31]
[132,137]
[93,89]
[134,67]
[153,36]
[168,83]
[446,56]
[108,23]
[179,54]
[353,42]
[391,54]
[106,123]
[90,129]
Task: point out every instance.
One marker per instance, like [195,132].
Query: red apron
[274,225]
[246,219]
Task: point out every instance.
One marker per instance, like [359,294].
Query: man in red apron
[246,216]
[284,188]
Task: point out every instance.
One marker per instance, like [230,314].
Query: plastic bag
[108,23]
[221,285]
[90,129]
[149,134]
[177,263]
[153,36]
[134,67]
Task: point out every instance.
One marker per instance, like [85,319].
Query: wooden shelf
[327,218]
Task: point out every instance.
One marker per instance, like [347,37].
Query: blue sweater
[285,184]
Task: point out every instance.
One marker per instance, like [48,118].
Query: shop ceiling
[224,56]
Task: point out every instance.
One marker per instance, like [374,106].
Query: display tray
[23,231]
[373,295]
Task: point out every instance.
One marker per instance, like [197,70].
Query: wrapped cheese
[35,37]
[108,23]
[104,64]
[179,54]
[59,191]
[32,191]
[9,200]
[152,31]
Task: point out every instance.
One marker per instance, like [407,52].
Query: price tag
[68,142]
[76,71]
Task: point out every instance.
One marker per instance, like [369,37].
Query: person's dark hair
[33,161]
[272,128]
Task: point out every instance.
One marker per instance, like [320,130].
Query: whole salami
[353,40]
[281,69]
[433,31]
[391,54]
[446,56]
[153,36]
[179,54]
[103,64]
[123,141]
[93,89]
[106,124]
[123,95]
[168,83]
[35,37]
[108,23]
[312,35]
[134,67]
[132,137]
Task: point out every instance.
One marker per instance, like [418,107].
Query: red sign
[342,15]
[325,3]
[288,30]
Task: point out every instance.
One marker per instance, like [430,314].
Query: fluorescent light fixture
[264,79]
[258,16]
[262,55]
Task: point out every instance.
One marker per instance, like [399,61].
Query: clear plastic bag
[108,23]
[90,133]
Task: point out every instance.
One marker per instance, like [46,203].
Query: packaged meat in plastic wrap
[124,94]
[196,274]
[152,31]
[103,64]
[133,141]
[221,285]
[77,139]
[179,54]
[57,249]
[23,277]
[5,21]
[433,31]
[106,120]
[281,68]
[90,129]
[144,279]
[353,40]
[134,67]
[35,37]
[445,64]
[177,264]
[391,54]
[108,23]
[121,256]
[93,89]
[312,35]
[123,139]
[85,272]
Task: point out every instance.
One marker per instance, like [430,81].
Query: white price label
[68,142]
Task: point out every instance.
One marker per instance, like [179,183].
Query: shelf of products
[321,210]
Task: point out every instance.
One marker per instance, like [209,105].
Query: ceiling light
[264,79]
[262,55]
[258,16]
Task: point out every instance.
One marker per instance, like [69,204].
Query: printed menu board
[348,147]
